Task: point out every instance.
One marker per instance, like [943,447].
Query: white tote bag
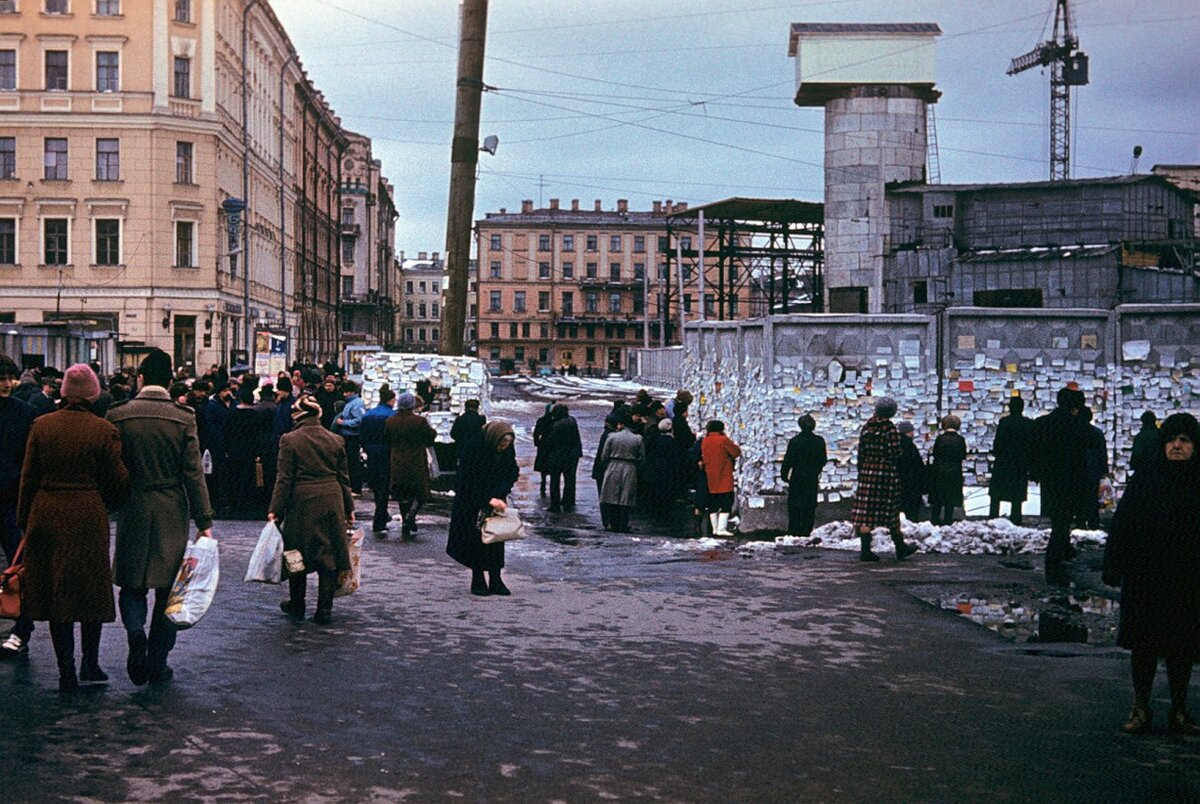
[505,527]
[266,562]
[195,585]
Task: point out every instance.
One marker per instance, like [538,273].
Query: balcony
[359,299]
[351,229]
[615,284]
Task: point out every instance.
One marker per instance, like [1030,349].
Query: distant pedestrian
[695,465]
[1095,459]
[15,419]
[409,436]
[245,431]
[719,454]
[73,472]
[598,463]
[211,431]
[877,498]
[379,456]
[1145,443]
[662,470]
[1010,461]
[946,471]
[541,428]
[487,471]
[1060,439]
[468,423]
[622,455]
[803,463]
[312,503]
[910,466]
[166,488]
[563,449]
[348,422]
[1153,554]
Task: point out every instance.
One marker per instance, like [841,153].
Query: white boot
[712,524]
[722,522]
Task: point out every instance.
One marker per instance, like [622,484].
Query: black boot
[326,586]
[297,588]
[496,586]
[478,583]
[866,553]
[89,667]
[63,637]
[138,664]
[903,550]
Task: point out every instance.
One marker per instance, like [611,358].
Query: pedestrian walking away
[1153,554]
[1011,454]
[409,437]
[803,462]
[487,471]
[1145,443]
[562,449]
[541,428]
[468,423]
[598,463]
[623,454]
[1095,460]
[718,455]
[946,471]
[166,488]
[73,472]
[312,504]
[379,457]
[15,419]
[877,497]
[1058,464]
[348,423]
[910,466]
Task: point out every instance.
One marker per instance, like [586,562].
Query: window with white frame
[614,302]
[8,157]
[591,243]
[108,241]
[434,310]
[494,301]
[568,270]
[108,71]
[495,268]
[639,243]
[58,7]
[543,270]
[591,302]
[568,242]
[348,249]
[183,10]
[185,244]
[8,6]
[614,243]
[543,301]
[8,241]
[8,69]
[183,77]
[108,159]
[55,159]
[544,242]
[108,8]
[435,334]
[56,241]
[519,301]
[495,242]
[183,163]
[57,70]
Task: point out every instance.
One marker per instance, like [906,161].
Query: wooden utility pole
[464,154]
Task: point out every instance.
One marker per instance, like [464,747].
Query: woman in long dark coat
[877,498]
[73,473]
[487,470]
[312,500]
[946,471]
[910,466]
[1010,461]
[410,436]
[245,430]
[1153,554]
[541,429]
[662,469]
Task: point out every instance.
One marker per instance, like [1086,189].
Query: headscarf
[664,426]
[885,408]
[494,433]
[306,406]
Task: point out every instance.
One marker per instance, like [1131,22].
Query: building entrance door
[614,361]
[185,342]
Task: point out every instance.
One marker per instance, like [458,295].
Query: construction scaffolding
[762,256]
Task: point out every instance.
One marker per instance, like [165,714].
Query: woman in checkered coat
[877,500]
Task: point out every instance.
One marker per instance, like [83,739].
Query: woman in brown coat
[312,500]
[409,436]
[72,473]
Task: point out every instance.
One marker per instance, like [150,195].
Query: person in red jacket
[717,456]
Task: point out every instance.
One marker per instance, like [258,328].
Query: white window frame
[16,51]
[95,220]
[96,68]
[46,8]
[70,219]
[66,157]
[14,9]
[192,259]
[117,13]
[16,219]
[57,48]
[15,163]
[96,166]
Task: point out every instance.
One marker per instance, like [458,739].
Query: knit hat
[885,408]
[904,427]
[406,401]
[80,382]
[665,426]
[307,405]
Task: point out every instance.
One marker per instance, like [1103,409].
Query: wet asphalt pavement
[622,668]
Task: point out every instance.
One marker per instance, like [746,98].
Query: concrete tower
[875,81]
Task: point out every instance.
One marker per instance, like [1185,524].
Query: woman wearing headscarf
[312,501]
[946,472]
[877,499]
[73,473]
[487,470]
[1153,554]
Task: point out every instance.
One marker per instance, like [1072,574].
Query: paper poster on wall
[1135,350]
[966,386]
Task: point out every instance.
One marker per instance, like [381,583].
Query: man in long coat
[801,470]
[563,449]
[1059,465]
[166,488]
[1010,461]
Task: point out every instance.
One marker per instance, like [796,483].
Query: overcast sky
[608,99]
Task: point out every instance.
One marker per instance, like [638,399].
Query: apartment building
[560,287]
[421,320]
[122,136]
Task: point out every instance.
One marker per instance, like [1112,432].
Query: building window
[421,334]
[568,242]
[543,270]
[433,310]
[108,8]
[8,6]
[638,303]
[614,272]
[686,242]
[568,303]
[8,241]
[348,250]
[592,243]
[56,159]
[614,302]
[591,270]
[525,329]
[664,245]
[544,330]
[108,71]
[408,289]
[8,69]
[185,244]
[519,354]
[544,242]
[108,159]
[543,301]
[56,70]
[347,216]
[519,301]
[408,309]
[495,242]
[687,302]
[495,353]
[733,306]
[58,7]
[568,269]
[590,354]
[591,303]
[710,305]
[473,311]
[8,157]
[495,330]
[512,329]
[495,270]
[614,243]
[183,13]
[639,243]
[421,309]
[920,292]
[494,301]
[183,163]
[108,241]
[589,331]
[183,77]
[543,355]
[639,271]
[421,287]
[434,334]
[408,334]
[55,241]
[943,210]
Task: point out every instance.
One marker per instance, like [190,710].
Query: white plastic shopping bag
[195,585]
[350,580]
[266,562]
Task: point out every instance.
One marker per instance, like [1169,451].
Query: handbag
[501,527]
[11,581]
[293,562]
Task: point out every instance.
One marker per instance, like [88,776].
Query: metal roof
[772,210]
[1027,185]
[859,28]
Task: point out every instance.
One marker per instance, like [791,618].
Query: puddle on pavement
[1017,616]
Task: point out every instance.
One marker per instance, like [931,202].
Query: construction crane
[1068,68]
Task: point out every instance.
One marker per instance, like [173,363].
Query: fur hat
[406,401]
[886,407]
[665,426]
[80,382]
[307,405]
[905,427]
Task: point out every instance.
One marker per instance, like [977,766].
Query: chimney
[553,203]
[657,206]
[574,204]
[435,258]
[503,211]
[667,207]
[681,206]
[598,207]
[527,206]
[422,255]
[622,205]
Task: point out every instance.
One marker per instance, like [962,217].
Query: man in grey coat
[166,488]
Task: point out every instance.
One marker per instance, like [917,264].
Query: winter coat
[719,453]
[562,448]
[946,469]
[694,463]
[166,487]
[15,420]
[540,429]
[598,461]
[330,401]
[210,426]
[374,438]
[72,472]
[877,498]
[409,437]
[351,416]
[1059,466]
[1153,553]
[1095,457]
[1145,447]
[467,426]
[662,468]
[483,474]
[245,431]
[40,403]
[803,462]
[623,454]
[312,495]
[1010,458]
[910,467]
